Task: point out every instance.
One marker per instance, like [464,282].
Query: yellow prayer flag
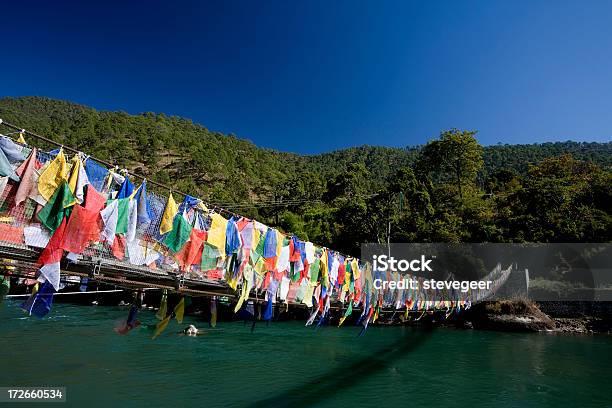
[260,266]
[355,269]
[161,326]
[74,174]
[52,176]
[347,282]
[136,191]
[21,139]
[256,238]
[243,296]
[279,242]
[231,281]
[168,217]
[247,285]
[324,268]
[163,306]
[308,295]
[216,233]
[109,180]
[179,310]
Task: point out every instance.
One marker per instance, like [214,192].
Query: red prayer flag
[54,250]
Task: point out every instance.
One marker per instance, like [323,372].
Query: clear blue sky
[313,76]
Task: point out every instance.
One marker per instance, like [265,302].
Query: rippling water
[287,364]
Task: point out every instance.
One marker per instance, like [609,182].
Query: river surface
[287,364]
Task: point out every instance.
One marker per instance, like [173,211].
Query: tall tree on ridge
[455,155]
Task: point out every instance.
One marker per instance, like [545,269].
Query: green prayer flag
[261,245]
[210,254]
[122,215]
[314,270]
[295,275]
[57,207]
[178,237]
[348,312]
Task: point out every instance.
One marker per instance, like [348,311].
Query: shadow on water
[348,376]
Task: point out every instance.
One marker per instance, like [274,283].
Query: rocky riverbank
[527,316]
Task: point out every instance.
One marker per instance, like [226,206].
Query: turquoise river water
[287,364]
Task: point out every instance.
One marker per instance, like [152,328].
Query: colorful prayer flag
[54,211]
[179,310]
[168,216]
[179,235]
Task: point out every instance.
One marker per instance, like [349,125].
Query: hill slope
[226,169]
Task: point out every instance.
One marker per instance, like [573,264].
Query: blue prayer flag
[40,303]
[127,188]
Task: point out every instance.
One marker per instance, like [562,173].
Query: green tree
[455,155]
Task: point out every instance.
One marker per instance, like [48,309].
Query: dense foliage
[452,189]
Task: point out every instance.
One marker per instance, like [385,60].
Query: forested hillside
[452,189]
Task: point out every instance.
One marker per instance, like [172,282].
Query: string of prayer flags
[193,242]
